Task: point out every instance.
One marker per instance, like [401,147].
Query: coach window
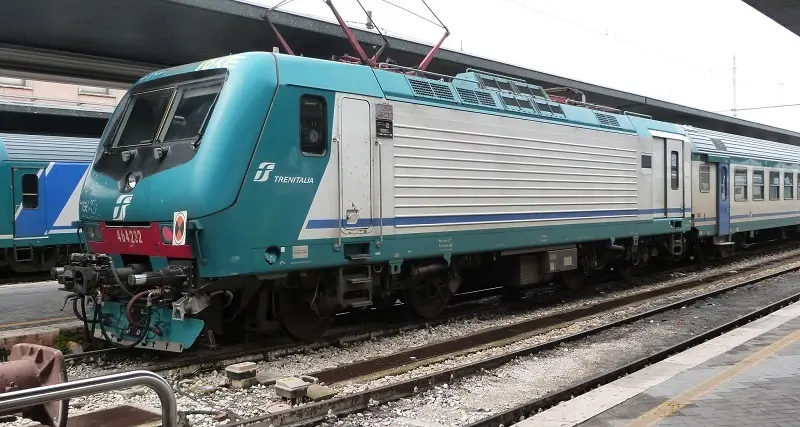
[705,179]
[788,185]
[30,191]
[312,126]
[674,175]
[758,185]
[740,185]
[774,185]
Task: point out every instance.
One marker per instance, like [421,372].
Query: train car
[261,188]
[746,190]
[41,177]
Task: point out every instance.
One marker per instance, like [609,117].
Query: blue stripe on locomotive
[466,219]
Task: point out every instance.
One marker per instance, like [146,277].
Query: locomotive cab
[175,151]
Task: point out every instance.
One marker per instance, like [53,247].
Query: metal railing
[16,400]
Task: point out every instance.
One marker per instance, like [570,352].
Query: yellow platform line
[671,406]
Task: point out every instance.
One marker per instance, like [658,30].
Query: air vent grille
[607,119]
[474,97]
[468,96]
[442,91]
[485,98]
[429,89]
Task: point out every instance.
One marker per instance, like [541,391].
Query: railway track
[311,413]
[467,305]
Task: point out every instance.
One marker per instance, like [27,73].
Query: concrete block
[291,387]
[240,371]
[242,375]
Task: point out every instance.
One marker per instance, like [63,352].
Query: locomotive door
[723,200]
[355,166]
[673,154]
[30,215]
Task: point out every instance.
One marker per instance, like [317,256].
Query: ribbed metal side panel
[49,148]
[477,167]
[725,144]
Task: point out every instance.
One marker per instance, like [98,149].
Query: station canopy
[113,43]
[785,12]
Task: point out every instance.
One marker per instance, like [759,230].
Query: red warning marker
[179,229]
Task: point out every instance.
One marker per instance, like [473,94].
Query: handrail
[16,400]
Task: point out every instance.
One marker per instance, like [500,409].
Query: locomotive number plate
[127,235]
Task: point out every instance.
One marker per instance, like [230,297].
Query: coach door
[30,215]
[723,200]
[355,166]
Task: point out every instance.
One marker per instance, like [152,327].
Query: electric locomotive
[262,189]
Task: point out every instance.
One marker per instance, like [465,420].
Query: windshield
[168,114]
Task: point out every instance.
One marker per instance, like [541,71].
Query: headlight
[131,180]
[93,233]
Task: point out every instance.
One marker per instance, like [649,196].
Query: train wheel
[627,270]
[573,279]
[298,318]
[428,297]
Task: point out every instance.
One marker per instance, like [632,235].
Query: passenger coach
[40,179]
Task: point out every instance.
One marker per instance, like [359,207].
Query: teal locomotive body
[261,189]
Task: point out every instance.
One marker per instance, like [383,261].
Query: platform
[747,377]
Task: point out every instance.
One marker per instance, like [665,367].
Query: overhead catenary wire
[764,107]
[281,3]
[412,12]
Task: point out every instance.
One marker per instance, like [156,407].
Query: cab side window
[313,141]
[30,191]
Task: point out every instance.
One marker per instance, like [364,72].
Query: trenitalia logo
[264,169]
[121,207]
